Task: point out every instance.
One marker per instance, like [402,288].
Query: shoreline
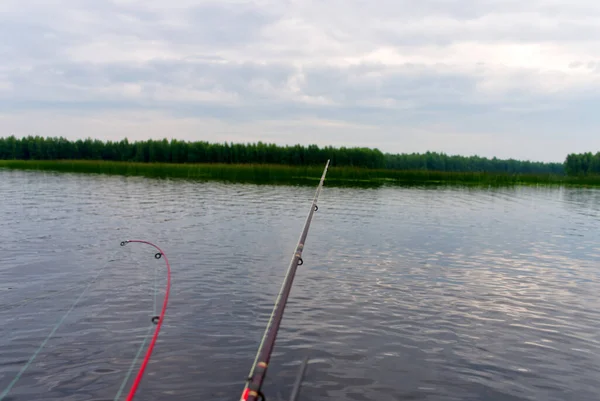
[297,175]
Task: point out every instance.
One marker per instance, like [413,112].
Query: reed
[300,175]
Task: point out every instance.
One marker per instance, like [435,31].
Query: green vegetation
[278,174]
[269,163]
[583,164]
[432,161]
[174,151]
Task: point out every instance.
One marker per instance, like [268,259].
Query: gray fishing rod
[252,390]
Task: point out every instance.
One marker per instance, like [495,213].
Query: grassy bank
[280,174]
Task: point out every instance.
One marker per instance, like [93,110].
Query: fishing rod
[158,320]
[252,390]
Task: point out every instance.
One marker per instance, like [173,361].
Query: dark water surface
[405,294]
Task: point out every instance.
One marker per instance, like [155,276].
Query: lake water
[405,293]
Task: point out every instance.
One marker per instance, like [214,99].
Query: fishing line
[158,320]
[141,347]
[51,334]
[26,301]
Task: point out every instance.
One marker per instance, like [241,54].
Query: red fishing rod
[252,390]
[158,320]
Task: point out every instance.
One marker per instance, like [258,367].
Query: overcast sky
[496,78]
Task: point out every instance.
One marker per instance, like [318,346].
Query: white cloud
[465,65]
[118,49]
[6,86]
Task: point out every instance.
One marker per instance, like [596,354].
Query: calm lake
[405,293]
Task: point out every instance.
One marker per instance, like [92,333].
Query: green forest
[175,151]
[582,164]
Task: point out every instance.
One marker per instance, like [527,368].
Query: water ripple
[406,293]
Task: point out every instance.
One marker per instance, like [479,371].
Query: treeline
[582,164]
[441,162]
[174,151]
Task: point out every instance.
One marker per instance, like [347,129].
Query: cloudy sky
[502,78]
